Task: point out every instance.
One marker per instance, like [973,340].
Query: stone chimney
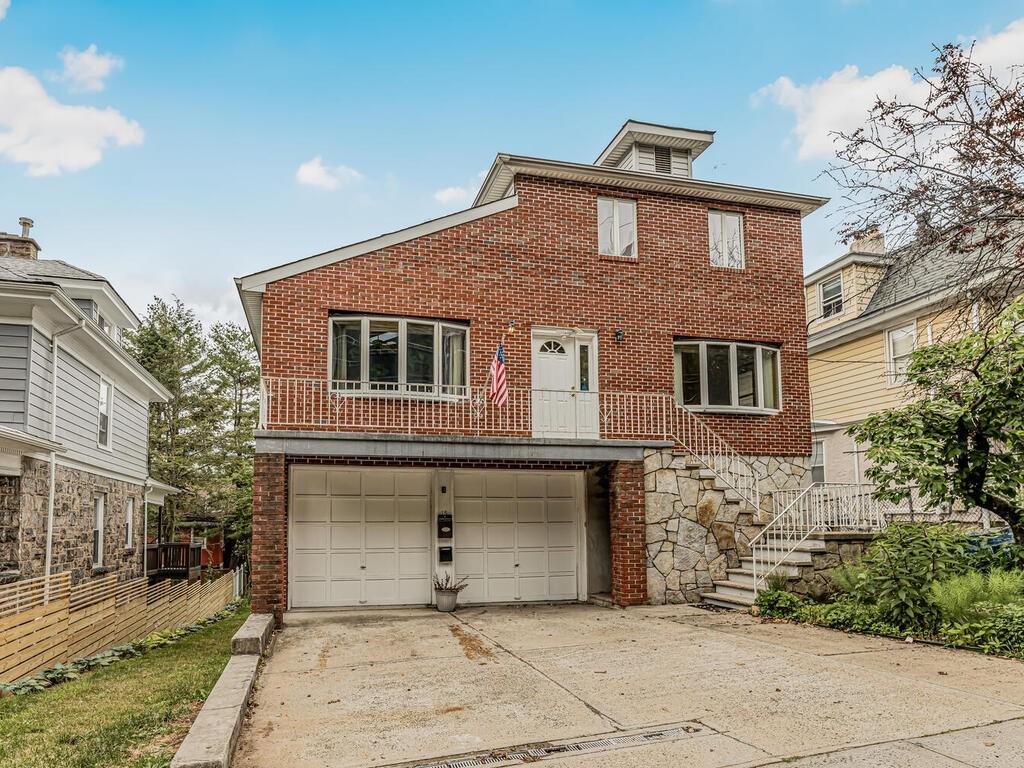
[872,241]
[19,246]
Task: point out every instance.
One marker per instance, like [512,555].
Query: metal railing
[821,507]
[363,406]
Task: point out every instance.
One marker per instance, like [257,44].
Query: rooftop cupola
[651,148]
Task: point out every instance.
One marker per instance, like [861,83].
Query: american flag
[498,392]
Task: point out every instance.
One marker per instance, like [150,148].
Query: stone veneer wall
[840,549]
[73,520]
[10,523]
[693,532]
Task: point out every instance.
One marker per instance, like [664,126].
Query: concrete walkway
[694,688]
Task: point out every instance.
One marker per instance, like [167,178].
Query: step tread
[733,584]
[730,600]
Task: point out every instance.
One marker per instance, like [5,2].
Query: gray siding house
[74,481]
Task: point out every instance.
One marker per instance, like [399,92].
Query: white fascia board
[632,131]
[18,442]
[258,280]
[103,294]
[510,165]
[842,262]
[876,321]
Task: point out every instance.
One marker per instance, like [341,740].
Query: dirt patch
[167,742]
[321,659]
[471,645]
[450,710]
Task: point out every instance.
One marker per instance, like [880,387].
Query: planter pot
[446,599]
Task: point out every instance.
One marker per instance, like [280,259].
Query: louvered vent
[662,160]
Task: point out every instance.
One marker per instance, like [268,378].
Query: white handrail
[831,507]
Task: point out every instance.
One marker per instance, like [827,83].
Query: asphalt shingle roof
[37,270]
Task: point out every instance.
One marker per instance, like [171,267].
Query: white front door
[565,399]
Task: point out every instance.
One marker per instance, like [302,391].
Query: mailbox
[444,554]
[445,525]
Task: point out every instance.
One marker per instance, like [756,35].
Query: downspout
[53,436]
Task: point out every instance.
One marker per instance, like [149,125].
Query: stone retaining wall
[693,532]
[840,549]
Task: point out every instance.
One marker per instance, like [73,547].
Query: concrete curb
[210,742]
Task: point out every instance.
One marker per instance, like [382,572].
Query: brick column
[269,559]
[627,518]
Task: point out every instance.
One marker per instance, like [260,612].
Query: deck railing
[371,407]
[176,560]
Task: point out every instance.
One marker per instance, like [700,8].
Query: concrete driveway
[653,686]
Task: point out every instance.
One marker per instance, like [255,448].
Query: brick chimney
[19,246]
[872,241]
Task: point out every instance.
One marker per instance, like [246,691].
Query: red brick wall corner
[627,517]
[269,535]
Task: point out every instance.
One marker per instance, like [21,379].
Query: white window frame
[841,299]
[892,376]
[401,388]
[129,522]
[107,408]
[824,460]
[99,502]
[733,378]
[721,215]
[616,245]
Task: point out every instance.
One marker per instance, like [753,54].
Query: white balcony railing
[363,406]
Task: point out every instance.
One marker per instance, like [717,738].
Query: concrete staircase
[737,590]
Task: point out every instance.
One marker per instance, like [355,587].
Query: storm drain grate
[533,754]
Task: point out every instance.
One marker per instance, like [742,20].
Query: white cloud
[4,5]
[841,101]
[88,70]
[460,194]
[314,173]
[52,138]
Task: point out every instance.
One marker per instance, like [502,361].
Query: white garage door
[359,537]
[517,535]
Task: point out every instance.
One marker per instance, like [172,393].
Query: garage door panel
[309,481]
[413,591]
[311,536]
[562,561]
[381,591]
[378,483]
[381,564]
[308,565]
[346,510]
[530,511]
[346,564]
[413,510]
[561,534]
[414,564]
[469,511]
[469,563]
[501,536]
[380,535]
[307,594]
[532,534]
[561,510]
[500,510]
[469,536]
[500,485]
[346,591]
[535,561]
[345,482]
[561,486]
[412,535]
[501,588]
[414,483]
[563,587]
[530,485]
[500,563]
[379,510]
[468,485]
[346,536]
[474,591]
[533,587]
[312,509]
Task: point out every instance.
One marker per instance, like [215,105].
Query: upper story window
[616,227]
[725,237]
[106,405]
[899,344]
[831,296]
[727,376]
[393,354]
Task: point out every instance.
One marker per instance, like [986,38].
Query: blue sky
[167,157]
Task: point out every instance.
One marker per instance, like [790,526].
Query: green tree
[170,344]
[961,440]
[233,382]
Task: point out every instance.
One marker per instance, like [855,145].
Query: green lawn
[132,714]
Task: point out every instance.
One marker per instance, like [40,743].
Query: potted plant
[447,589]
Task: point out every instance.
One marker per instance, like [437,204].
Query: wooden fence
[45,621]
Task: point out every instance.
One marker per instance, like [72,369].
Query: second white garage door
[517,535]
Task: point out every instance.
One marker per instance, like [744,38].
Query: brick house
[74,482]
[654,339]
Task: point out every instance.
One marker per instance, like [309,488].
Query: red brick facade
[537,264]
[269,534]
[628,530]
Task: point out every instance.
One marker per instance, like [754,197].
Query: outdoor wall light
[620,335]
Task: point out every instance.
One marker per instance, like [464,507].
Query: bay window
[724,375]
[398,355]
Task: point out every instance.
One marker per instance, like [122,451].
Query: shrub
[967,596]
[991,552]
[777,581]
[1000,629]
[846,578]
[899,568]
[777,604]
[853,616]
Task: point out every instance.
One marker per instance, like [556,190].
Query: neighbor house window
[129,521]
[106,403]
[616,227]
[727,375]
[390,354]
[818,461]
[832,296]
[725,238]
[899,344]
[98,502]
